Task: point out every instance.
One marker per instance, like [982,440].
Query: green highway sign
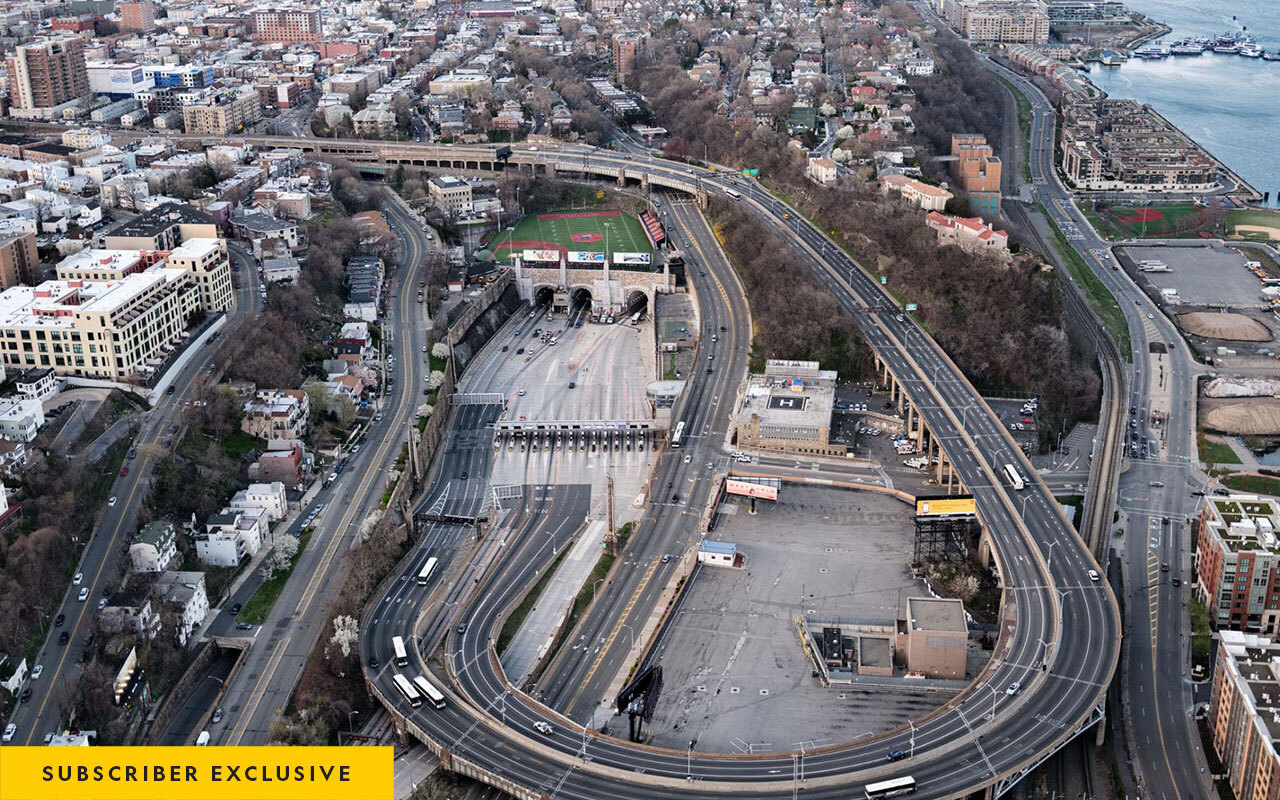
[910,306]
[884,279]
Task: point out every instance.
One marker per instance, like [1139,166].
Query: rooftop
[1244,523]
[1254,663]
[161,218]
[936,614]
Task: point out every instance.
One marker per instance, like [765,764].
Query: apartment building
[46,75]
[970,234]
[184,594]
[626,48]
[1238,562]
[1244,713]
[270,497]
[162,228]
[19,261]
[822,170]
[206,261]
[114,330]
[231,535]
[979,170]
[928,197]
[279,416]
[1010,21]
[222,113]
[20,419]
[137,15]
[287,25]
[450,194]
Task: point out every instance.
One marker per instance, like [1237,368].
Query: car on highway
[102,603]
[1164,567]
[900,318]
[572,384]
[235,608]
[9,731]
[896,755]
[462,628]
[111,501]
[540,726]
[124,470]
[58,620]
[169,390]
[25,696]
[521,393]
[63,638]
[217,716]
[675,498]
[1093,575]
[37,671]
[84,594]
[666,557]
[1014,689]
[77,578]
[1151,316]
[687,458]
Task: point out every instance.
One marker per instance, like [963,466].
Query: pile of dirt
[1230,327]
[1248,418]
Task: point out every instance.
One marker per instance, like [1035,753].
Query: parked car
[235,609]
[102,603]
[11,729]
[217,715]
[111,501]
[243,626]
[37,671]
[58,620]
[75,581]
[84,594]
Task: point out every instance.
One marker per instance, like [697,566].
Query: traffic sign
[884,279]
[910,306]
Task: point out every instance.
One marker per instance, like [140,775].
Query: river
[1229,104]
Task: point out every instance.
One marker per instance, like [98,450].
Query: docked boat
[1251,51]
[1271,56]
[1226,49]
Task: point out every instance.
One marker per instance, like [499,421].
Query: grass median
[259,606]
[1213,452]
[512,626]
[1095,291]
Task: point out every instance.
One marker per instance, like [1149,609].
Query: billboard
[632,258]
[585,257]
[957,505]
[748,489]
[541,255]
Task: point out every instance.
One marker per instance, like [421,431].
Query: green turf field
[1155,220]
[593,231]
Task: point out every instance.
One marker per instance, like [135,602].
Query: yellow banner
[945,506]
[196,773]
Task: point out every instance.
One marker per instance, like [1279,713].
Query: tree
[435,380]
[440,349]
[281,557]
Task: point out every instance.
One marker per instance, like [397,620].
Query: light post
[595,586]
[1050,559]
[1024,505]
[995,695]
[913,738]
[351,726]
[688,760]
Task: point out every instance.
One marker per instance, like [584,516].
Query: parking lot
[736,676]
[1207,274]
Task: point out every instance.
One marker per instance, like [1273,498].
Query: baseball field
[594,231]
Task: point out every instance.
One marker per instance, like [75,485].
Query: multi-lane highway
[1061,645]
[1153,489]
[103,555]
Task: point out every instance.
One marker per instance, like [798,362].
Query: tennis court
[593,231]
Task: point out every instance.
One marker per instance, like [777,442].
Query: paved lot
[1205,275]
[735,675]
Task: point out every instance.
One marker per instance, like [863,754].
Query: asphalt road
[1156,681]
[106,552]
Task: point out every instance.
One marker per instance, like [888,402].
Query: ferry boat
[1152,52]
[1228,49]
[1271,56]
[1251,51]
[1187,47]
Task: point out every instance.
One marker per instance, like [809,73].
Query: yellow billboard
[960,505]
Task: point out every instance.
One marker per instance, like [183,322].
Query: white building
[154,548]
[20,418]
[184,594]
[231,536]
[269,497]
[36,384]
[717,554]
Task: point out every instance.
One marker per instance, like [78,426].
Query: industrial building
[788,409]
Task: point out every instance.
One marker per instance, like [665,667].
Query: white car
[11,729]
[1014,688]
[102,603]
[84,594]
[541,727]
[1093,575]
[76,580]
[111,501]
[687,458]
[37,671]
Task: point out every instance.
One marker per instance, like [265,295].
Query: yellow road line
[635,597]
[242,726]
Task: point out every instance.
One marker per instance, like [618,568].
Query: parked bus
[736,195]
[406,689]
[893,788]
[1015,480]
[401,658]
[678,435]
[433,695]
[428,569]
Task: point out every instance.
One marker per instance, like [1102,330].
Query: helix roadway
[1060,639]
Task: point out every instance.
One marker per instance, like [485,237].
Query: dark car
[464,475]
[1176,581]
[675,498]
[243,626]
[723,329]
[26,695]
[63,638]
[896,755]
[519,351]
[373,663]
[169,390]
[58,620]
[462,627]
[708,370]
[235,609]
[572,384]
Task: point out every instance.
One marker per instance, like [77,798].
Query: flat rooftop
[161,218]
[936,614]
[1256,660]
[1245,523]
[58,304]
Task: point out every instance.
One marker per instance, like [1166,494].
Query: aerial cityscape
[654,399]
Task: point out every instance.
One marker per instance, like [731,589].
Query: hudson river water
[1229,104]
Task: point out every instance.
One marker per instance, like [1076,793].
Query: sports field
[593,231]
[1158,220]
[1256,224]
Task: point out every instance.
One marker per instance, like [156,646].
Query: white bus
[433,695]
[406,689]
[736,195]
[1015,480]
[401,658]
[678,435]
[893,788]
[428,569]
[635,318]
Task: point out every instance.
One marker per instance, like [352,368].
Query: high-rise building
[137,15]
[1238,562]
[626,46]
[1244,714]
[223,113]
[1014,21]
[19,262]
[44,75]
[979,170]
[287,25]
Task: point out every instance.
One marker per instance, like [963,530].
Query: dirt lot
[1253,417]
[1226,326]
